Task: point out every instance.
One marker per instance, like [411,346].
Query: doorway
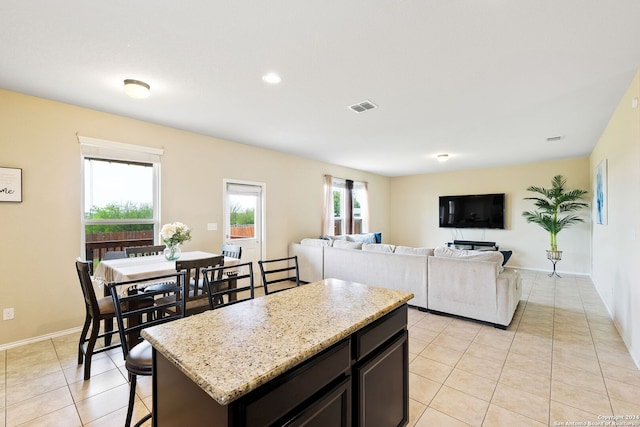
[244,220]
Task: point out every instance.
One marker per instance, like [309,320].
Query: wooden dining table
[124,269]
[135,268]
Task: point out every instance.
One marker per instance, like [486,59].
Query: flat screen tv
[472,211]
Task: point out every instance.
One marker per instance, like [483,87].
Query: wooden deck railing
[95,250]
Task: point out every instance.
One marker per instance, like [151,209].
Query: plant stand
[554,257]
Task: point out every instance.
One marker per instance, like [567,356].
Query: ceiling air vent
[554,138]
[363,106]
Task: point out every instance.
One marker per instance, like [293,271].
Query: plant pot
[554,255]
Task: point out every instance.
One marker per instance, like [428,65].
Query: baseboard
[40,338]
[537,270]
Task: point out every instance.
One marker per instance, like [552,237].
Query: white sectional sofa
[375,266]
[473,284]
[462,283]
[310,254]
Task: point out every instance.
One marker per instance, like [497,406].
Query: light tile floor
[561,360]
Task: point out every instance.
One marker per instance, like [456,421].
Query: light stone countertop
[233,350]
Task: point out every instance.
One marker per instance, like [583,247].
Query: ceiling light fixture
[272,78]
[136,89]
[442,157]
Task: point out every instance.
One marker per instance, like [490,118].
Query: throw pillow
[378,247]
[347,245]
[453,252]
[506,255]
[364,238]
[492,256]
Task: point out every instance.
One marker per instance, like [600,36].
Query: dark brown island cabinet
[361,380]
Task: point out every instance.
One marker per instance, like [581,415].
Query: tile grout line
[68,385]
[526,302]
[595,349]
[553,343]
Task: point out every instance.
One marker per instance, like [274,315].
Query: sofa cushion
[406,250]
[492,256]
[347,245]
[315,242]
[364,238]
[378,247]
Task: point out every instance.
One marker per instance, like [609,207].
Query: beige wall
[616,249]
[414,211]
[41,235]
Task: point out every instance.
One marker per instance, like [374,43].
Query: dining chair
[108,323]
[279,270]
[133,314]
[137,251]
[231,251]
[96,311]
[197,300]
[233,281]
[109,255]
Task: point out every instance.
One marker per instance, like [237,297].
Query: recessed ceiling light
[272,78]
[136,89]
[442,157]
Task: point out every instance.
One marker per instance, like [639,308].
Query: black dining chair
[109,255]
[235,282]
[282,271]
[97,309]
[137,251]
[231,251]
[108,323]
[197,300]
[133,314]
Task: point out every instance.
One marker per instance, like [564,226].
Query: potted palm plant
[551,205]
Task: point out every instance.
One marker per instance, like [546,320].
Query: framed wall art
[10,184]
[600,193]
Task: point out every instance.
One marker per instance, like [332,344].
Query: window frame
[340,185]
[92,148]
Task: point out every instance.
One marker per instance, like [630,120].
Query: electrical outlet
[7,314]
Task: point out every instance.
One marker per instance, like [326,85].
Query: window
[360,208]
[120,198]
[349,207]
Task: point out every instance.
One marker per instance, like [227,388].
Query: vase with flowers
[173,235]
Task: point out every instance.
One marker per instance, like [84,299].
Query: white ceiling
[486,81]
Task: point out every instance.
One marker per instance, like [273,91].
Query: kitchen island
[327,353]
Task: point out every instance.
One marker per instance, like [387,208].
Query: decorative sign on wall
[10,184]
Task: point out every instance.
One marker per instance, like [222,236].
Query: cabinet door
[281,396]
[381,389]
[333,409]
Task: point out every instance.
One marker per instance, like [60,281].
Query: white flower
[174,233]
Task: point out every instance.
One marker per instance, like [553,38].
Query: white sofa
[310,253]
[400,271]
[462,283]
[473,284]
[400,267]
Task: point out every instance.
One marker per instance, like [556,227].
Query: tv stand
[473,244]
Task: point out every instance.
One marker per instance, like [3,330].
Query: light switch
[212,226]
